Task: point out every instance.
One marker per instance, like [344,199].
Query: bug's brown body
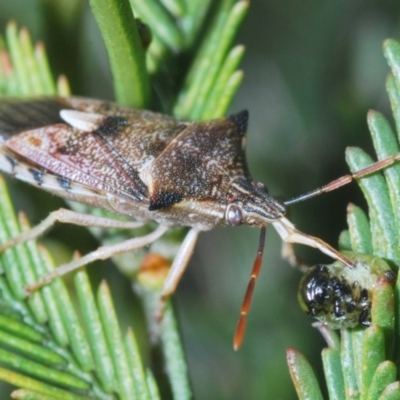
[138,163]
[146,166]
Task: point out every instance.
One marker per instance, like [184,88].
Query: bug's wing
[17,116]
[97,144]
[135,137]
[140,144]
[76,156]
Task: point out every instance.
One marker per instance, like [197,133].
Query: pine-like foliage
[50,346]
[363,363]
[178,58]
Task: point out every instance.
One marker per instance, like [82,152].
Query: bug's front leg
[69,217]
[288,253]
[290,234]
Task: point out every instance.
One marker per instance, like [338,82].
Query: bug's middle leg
[69,217]
[179,264]
[101,253]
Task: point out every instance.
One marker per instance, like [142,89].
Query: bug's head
[249,203]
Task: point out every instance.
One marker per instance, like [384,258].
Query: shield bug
[148,167]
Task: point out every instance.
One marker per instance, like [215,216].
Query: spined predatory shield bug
[147,167]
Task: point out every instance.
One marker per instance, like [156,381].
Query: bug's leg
[241,326]
[290,234]
[69,217]
[288,253]
[178,267]
[345,179]
[101,253]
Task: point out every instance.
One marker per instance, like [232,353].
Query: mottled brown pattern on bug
[141,141]
[65,148]
[134,162]
[35,141]
[199,164]
[147,166]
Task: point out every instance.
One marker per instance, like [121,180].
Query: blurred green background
[312,70]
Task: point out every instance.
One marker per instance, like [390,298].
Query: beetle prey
[147,167]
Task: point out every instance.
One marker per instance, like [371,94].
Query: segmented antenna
[345,179]
[241,326]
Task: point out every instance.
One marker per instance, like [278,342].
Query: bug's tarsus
[345,179]
[241,326]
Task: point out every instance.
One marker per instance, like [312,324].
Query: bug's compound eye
[234,215]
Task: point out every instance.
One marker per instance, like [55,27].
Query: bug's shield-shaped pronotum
[143,165]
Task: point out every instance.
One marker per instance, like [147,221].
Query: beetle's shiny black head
[333,299]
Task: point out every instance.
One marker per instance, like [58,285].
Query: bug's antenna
[241,326]
[345,179]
